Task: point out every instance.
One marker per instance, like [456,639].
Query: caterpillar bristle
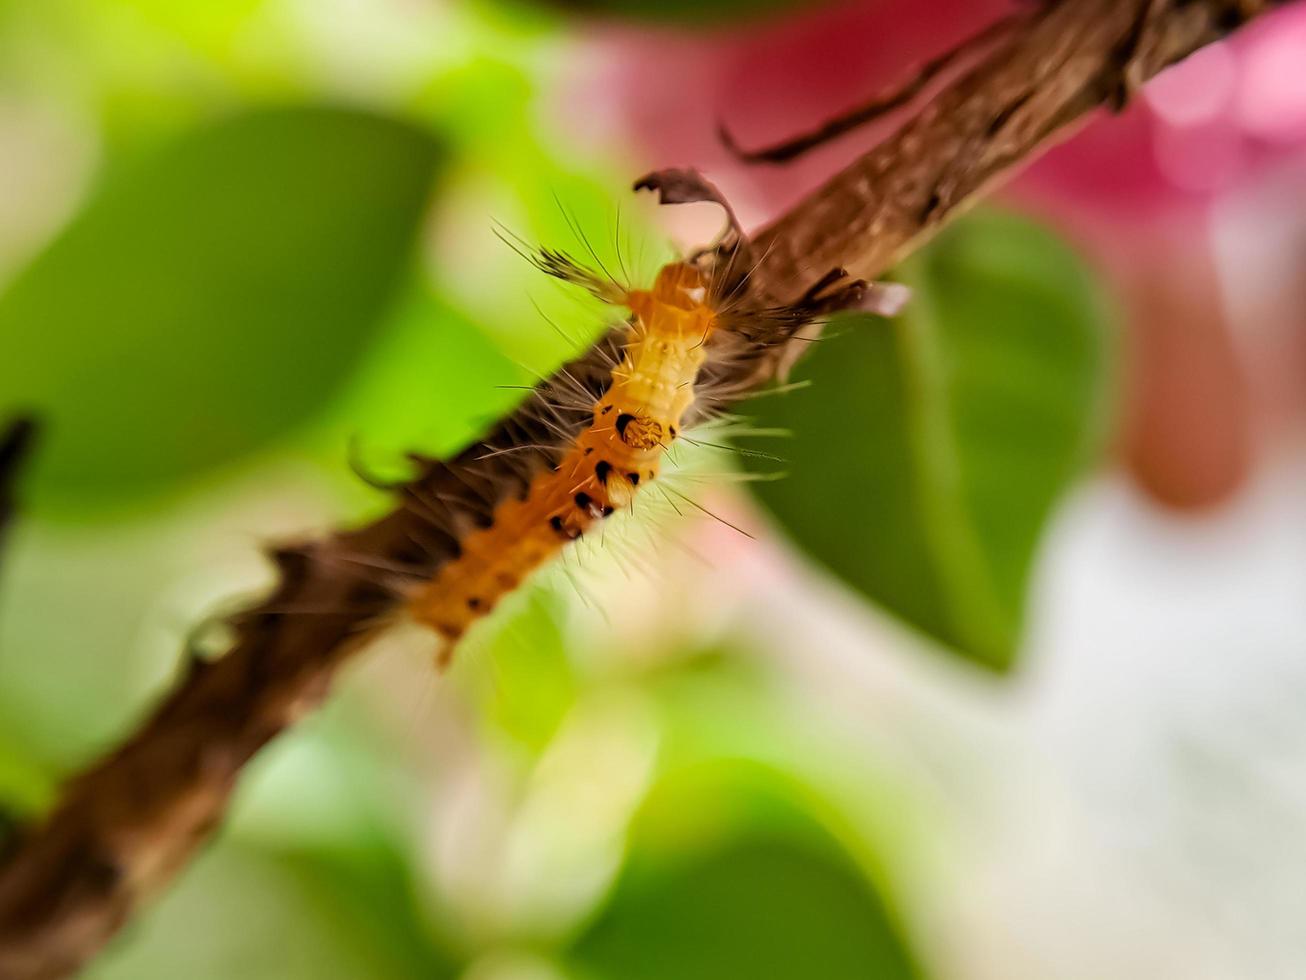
[583,239]
[401,571]
[737,450]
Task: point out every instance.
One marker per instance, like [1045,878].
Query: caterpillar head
[681,285]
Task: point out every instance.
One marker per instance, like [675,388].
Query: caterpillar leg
[444,654]
[837,291]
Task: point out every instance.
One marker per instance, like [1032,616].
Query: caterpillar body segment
[632,425]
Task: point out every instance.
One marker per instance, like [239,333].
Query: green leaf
[757,890]
[317,872]
[432,384]
[528,683]
[26,787]
[210,299]
[373,899]
[928,455]
[259,915]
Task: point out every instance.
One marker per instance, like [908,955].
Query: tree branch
[127,824]
[1031,91]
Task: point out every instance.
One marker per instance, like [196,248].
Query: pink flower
[1138,189]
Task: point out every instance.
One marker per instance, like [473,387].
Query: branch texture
[127,824]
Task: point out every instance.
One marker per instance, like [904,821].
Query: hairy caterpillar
[589,438]
[632,425]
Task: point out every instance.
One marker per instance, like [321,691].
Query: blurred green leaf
[432,384]
[317,873]
[372,898]
[242,912]
[765,893]
[26,787]
[529,683]
[927,457]
[211,299]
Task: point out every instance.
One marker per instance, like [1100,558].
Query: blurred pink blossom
[1137,188]
[1200,128]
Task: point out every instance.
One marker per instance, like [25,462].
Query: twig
[125,826]
[1033,88]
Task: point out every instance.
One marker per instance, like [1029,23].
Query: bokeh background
[1006,681]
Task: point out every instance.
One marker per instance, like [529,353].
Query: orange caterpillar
[633,424]
[588,438]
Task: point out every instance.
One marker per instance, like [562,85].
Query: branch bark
[127,824]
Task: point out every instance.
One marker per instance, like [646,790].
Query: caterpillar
[632,424]
[591,437]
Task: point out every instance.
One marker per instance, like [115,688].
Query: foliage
[259,276]
[938,444]
[212,299]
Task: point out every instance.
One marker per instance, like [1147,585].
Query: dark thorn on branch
[1131,74]
[688,186]
[16,446]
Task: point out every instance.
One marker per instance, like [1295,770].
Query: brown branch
[1029,92]
[127,824]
